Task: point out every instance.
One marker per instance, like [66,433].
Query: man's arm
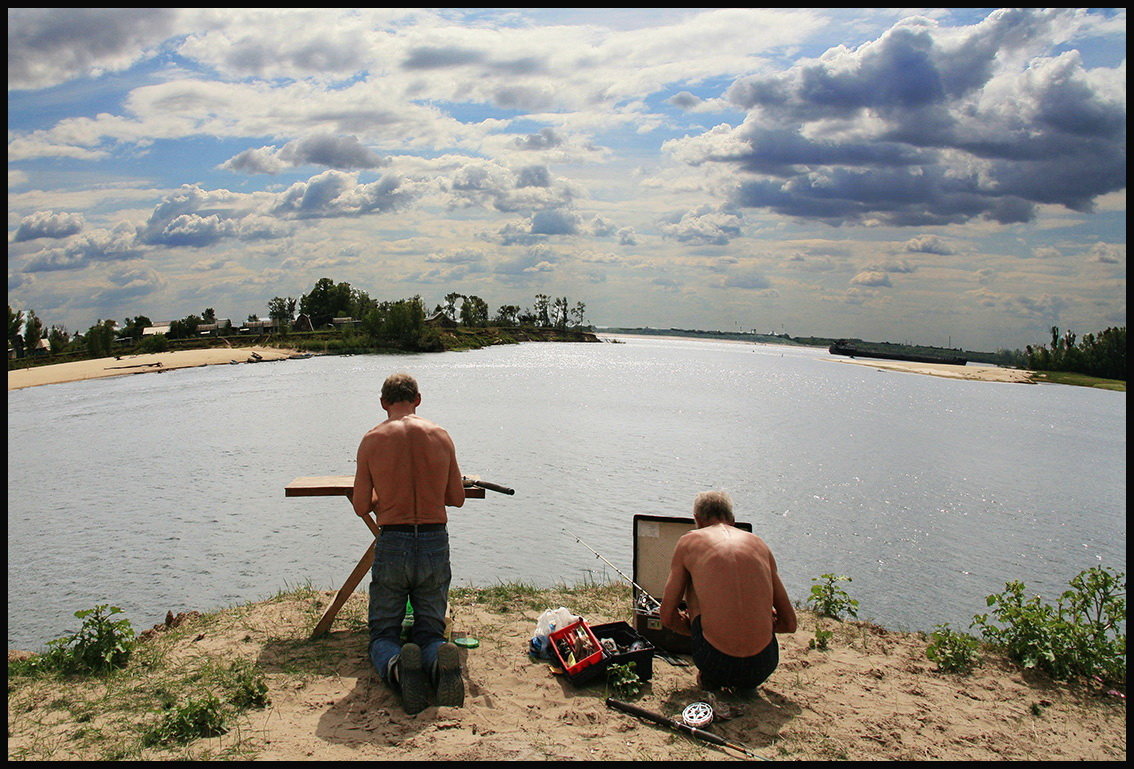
[678,582]
[785,612]
[363,497]
[455,484]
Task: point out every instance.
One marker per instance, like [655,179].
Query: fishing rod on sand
[681,726]
[650,605]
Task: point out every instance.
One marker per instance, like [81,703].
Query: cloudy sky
[935,175]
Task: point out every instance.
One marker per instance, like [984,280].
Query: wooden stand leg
[344,592]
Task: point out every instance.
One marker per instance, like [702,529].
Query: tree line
[402,322]
[1100,355]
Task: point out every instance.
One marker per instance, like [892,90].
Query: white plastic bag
[550,621]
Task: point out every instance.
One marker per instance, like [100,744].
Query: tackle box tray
[582,671]
[624,636]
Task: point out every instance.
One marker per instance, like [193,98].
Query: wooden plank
[342,485]
[345,592]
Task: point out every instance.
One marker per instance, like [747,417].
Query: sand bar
[976,373]
[99,368]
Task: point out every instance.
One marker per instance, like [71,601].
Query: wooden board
[343,486]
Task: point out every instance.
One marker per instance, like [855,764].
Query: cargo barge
[844,347]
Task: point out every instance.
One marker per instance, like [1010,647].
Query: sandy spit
[99,368]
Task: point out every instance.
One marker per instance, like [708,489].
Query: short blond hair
[713,506]
[398,388]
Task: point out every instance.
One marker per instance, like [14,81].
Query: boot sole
[411,677]
[450,685]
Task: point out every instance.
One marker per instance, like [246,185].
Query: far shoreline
[100,368]
[975,373]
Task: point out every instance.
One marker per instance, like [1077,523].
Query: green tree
[1101,355]
[474,312]
[540,309]
[15,330]
[450,309]
[58,337]
[507,314]
[100,339]
[328,300]
[33,332]
[561,311]
[579,312]
[134,327]
[186,328]
[282,311]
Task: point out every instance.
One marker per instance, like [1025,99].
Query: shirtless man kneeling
[736,602]
[407,474]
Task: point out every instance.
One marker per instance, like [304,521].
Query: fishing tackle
[646,603]
[680,726]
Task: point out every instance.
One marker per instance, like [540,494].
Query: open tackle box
[585,653]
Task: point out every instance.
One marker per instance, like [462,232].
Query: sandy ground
[139,364]
[872,695]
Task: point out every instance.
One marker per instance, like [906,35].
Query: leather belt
[413,528]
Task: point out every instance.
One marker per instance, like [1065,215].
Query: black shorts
[719,669]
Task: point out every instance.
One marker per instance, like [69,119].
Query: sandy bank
[872,695]
[976,373]
[99,368]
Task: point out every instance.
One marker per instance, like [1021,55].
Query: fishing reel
[698,715]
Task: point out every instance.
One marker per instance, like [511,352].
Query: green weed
[830,600]
[102,644]
[1080,636]
[196,718]
[952,651]
[623,680]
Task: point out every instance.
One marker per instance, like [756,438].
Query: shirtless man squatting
[736,601]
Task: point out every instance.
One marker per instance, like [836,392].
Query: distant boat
[843,347]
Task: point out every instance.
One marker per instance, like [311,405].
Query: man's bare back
[407,470]
[728,577]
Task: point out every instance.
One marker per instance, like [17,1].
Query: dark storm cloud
[928,126]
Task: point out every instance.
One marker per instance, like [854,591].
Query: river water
[165,491]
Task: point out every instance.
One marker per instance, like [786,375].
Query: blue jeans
[414,567]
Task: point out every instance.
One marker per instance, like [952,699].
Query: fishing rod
[680,726]
[487,485]
[656,604]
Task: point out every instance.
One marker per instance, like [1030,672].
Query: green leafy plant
[1080,636]
[821,640]
[247,688]
[952,651]
[102,644]
[194,719]
[623,680]
[829,599]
